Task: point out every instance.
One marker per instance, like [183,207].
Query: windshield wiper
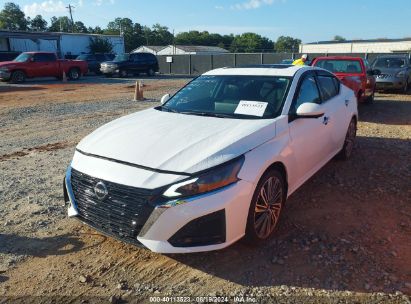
[163,108]
[208,114]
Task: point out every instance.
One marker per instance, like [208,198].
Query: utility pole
[70,7]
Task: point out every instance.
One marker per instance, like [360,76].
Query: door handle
[347,101]
[326,120]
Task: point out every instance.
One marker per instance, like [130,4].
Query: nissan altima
[215,162]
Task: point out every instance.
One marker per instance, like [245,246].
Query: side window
[137,58]
[327,87]
[42,57]
[308,92]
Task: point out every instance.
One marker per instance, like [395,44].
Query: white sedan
[215,162]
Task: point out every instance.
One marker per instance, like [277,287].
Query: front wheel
[348,147]
[123,73]
[18,77]
[151,72]
[266,206]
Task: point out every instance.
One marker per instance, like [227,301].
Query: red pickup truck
[40,64]
[354,72]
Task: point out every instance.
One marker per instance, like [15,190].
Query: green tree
[38,24]
[12,17]
[339,38]
[160,35]
[251,42]
[287,44]
[100,45]
[79,27]
[60,24]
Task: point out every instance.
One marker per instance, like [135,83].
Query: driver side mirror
[309,110]
[165,98]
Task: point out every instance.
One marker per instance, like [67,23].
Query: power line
[70,7]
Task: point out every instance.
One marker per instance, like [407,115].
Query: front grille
[122,213]
[384,76]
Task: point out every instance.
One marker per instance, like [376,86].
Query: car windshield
[84,57]
[22,57]
[393,63]
[250,97]
[339,66]
[122,57]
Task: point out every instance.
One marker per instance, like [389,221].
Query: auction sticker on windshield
[248,107]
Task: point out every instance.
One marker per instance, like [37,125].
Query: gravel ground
[344,237]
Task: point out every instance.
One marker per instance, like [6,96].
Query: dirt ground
[345,236]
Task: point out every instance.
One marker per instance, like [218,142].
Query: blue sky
[309,20]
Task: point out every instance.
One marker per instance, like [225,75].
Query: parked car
[395,72]
[40,64]
[215,162]
[354,72]
[134,63]
[94,61]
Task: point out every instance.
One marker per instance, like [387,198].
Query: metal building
[64,44]
[358,46]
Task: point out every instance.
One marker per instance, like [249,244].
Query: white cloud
[253,4]
[101,2]
[49,6]
[219,7]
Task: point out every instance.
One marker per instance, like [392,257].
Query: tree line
[135,34]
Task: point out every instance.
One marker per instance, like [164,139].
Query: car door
[139,62]
[336,109]
[44,65]
[309,137]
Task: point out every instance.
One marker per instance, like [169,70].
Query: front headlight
[218,177]
[400,74]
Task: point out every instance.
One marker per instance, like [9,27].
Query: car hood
[7,64]
[390,71]
[176,142]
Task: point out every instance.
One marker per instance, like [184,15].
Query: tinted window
[327,87]
[137,57]
[340,66]
[44,57]
[308,92]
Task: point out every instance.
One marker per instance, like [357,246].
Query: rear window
[393,63]
[340,66]
[44,57]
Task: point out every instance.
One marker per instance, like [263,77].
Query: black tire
[151,72]
[18,77]
[74,74]
[123,73]
[262,220]
[349,141]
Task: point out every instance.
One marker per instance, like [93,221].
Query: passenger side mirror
[165,98]
[309,110]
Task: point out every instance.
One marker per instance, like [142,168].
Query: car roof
[40,53]
[261,70]
[338,58]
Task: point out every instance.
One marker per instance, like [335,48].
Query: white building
[191,50]
[358,46]
[61,43]
[153,49]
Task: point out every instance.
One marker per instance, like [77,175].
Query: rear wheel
[348,147]
[18,77]
[266,206]
[74,74]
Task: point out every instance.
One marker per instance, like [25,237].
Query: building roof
[361,41]
[201,48]
[152,47]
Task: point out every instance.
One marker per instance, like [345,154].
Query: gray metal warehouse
[64,44]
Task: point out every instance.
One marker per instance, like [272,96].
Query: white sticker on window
[248,107]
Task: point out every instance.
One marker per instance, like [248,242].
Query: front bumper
[389,83]
[205,222]
[109,69]
[5,75]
